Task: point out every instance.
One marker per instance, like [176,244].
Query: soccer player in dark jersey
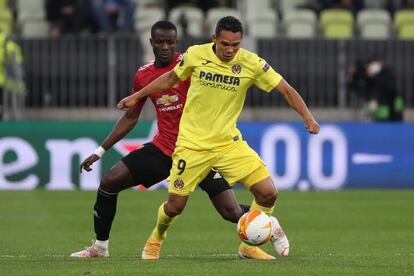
[151,163]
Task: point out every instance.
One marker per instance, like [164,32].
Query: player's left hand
[311,125]
[126,103]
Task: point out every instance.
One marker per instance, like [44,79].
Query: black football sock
[245,208]
[104,213]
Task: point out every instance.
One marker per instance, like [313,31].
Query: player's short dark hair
[229,23]
[163,25]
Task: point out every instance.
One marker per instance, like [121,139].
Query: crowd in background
[109,16]
[105,16]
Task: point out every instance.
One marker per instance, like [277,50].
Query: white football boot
[93,251]
[279,240]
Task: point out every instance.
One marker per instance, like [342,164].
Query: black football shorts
[148,165]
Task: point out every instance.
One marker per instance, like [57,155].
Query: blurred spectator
[376,84]
[11,69]
[395,5]
[319,5]
[352,5]
[202,4]
[114,15]
[68,16]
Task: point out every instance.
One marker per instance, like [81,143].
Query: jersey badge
[236,69]
[178,183]
[167,99]
[266,67]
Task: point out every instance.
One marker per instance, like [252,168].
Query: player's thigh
[239,162]
[148,165]
[214,184]
[188,169]
[118,178]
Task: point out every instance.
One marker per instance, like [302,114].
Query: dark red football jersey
[168,104]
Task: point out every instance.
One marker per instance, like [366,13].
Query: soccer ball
[254,227]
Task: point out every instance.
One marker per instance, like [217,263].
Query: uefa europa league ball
[254,227]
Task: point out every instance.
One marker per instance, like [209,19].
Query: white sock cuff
[104,244]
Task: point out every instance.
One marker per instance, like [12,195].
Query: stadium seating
[263,25]
[144,17]
[35,29]
[289,5]
[33,6]
[194,17]
[31,18]
[406,32]
[374,24]
[404,23]
[257,6]
[375,4]
[300,23]
[337,23]
[214,15]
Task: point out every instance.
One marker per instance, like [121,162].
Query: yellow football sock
[267,210]
[163,223]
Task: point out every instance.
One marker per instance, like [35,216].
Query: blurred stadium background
[313,48]
[60,91]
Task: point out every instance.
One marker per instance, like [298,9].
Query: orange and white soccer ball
[254,227]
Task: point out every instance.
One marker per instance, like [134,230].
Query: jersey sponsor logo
[178,183]
[167,99]
[171,108]
[219,81]
[219,78]
[236,69]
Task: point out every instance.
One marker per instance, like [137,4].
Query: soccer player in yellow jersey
[221,72]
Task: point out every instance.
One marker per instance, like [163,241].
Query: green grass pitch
[351,232]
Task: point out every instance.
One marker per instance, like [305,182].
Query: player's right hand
[312,125]
[126,103]
[86,164]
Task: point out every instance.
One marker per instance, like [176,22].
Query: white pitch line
[30,256]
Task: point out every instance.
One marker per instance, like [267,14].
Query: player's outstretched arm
[122,127]
[161,83]
[296,102]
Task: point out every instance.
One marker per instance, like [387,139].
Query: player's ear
[214,38]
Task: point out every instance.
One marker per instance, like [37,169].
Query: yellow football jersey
[217,93]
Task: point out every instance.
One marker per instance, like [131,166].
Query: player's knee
[268,199]
[108,183]
[173,209]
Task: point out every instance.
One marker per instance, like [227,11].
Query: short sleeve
[184,68]
[266,77]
